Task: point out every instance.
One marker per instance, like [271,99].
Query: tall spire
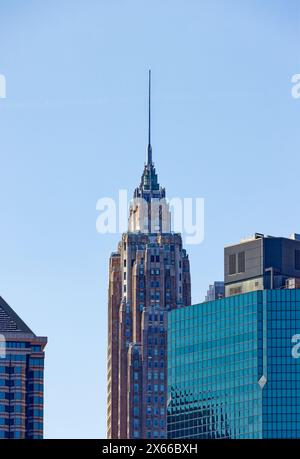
[149,151]
[149,187]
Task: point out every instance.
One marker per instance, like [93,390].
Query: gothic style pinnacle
[149,151]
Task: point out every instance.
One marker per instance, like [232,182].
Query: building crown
[149,211]
[149,187]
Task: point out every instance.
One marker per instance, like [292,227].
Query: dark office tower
[21,377]
[215,291]
[262,262]
[148,275]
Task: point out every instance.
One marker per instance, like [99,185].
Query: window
[36,348]
[297,259]
[37,413]
[241,262]
[232,263]
[235,290]
[16,344]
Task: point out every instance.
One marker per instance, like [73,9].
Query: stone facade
[148,275]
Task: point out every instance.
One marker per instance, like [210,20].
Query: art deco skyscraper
[148,275]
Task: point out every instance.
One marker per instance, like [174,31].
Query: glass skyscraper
[234,367]
[21,378]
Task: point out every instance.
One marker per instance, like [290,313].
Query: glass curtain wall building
[234,367]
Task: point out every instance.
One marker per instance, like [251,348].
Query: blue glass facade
[22,387]
[234,367]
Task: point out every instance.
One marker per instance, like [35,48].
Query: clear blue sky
[73,129]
